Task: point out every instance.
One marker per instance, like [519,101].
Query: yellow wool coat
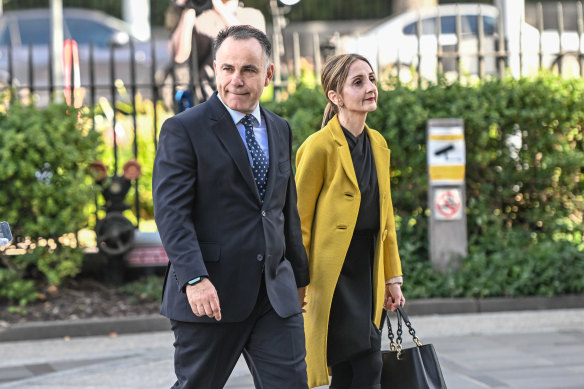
[328,204]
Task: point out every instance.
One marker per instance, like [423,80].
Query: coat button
[263,213]
[260,257]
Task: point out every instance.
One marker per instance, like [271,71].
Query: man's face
[241,73]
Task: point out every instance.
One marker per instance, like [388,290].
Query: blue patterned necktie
[260,163]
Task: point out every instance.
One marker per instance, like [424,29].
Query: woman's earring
[342,105]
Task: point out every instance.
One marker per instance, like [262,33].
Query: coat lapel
[343,148]
[227,133]
[381,155]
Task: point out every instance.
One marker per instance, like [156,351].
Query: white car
[393,42]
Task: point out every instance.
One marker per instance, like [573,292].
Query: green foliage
[125,137]
[524,181]
[303,110]
[14,288]
[518,266]
[145,289]
[45,190]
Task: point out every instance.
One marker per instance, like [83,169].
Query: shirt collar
[236,116]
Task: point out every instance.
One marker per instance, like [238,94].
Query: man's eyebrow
[250,67]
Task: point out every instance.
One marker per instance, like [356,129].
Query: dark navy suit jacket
[212,223]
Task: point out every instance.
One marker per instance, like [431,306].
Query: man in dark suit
[225,206]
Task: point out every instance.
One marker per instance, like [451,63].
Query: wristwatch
[195,280]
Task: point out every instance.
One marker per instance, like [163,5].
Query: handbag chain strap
[392,345]
[396,345]
[402,314]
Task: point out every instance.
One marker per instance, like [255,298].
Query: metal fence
[467,40]
[121,77]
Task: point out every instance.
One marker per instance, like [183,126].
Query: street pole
[278,47]
[446,192]
[57,45]
[512,15]
[137,14]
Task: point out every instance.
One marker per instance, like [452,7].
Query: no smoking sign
[447,204]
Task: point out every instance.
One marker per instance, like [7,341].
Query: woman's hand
[393,297]
[302,298]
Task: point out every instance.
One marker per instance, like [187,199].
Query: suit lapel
[271,130]
[227,133]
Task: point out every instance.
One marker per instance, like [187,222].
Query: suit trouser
[273,347]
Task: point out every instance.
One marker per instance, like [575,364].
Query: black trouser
[273,347]
[361,372]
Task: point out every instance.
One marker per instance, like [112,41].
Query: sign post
[446,191]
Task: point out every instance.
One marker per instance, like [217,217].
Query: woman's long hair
[333,77]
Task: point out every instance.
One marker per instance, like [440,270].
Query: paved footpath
[519,350]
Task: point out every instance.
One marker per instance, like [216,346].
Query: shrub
[524,199]
[45,191]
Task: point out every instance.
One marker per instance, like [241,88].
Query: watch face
[5,235]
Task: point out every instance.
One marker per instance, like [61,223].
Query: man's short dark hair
[244,32]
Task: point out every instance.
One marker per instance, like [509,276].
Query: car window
[85,31]
[471,22]
[469,25]
[447,26]
[490,25]
[36,31]
[428,27]
[5,37]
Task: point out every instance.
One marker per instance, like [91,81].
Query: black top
[364,165]
[351,330]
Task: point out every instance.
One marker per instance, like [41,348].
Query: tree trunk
[399,6]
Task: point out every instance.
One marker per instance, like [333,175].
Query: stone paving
[510,350]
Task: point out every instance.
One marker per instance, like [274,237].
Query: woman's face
[359,94]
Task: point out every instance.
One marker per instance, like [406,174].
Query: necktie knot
[247,121]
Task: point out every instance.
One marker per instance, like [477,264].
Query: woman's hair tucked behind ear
[333,77]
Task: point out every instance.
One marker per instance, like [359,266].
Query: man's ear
[269,74]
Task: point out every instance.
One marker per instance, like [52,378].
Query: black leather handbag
[409,368]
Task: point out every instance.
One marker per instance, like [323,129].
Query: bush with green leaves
[45,193]
[524,181]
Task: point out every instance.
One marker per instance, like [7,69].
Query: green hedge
[45,194]
[524,206]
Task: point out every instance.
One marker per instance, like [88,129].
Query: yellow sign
[446,153]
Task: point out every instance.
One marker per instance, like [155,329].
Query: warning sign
[446,151]
[447,204]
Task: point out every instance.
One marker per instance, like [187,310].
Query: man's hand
[203,299]
[393,297]
[301,296]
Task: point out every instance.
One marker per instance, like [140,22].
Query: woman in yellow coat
[348,229]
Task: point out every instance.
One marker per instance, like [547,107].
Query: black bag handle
[401,314]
